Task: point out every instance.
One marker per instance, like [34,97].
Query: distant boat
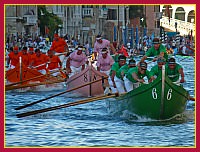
[89,74]
[161,99]
[24,77]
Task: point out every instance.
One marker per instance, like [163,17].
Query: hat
[156,41]
[121,58]
[98,37]
[143,65]
[131,62]
[16,48]
[172,61]
[161,59]
[104,50]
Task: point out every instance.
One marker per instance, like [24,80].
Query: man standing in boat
[105,62]
[174,70]
[157,50]
[76,61]
[100,44]
[135,76]
[60,46]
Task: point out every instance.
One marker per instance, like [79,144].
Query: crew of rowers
[35,59]
[123,77]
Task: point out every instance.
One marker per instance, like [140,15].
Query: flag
[137,37]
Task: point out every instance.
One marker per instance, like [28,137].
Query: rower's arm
[143,58]
[112,48]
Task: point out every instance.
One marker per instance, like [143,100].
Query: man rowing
[174,71]
[54,63]
[39,61]
[157,50]
[76,61]
[100,44]
[13,58]
[59,45]
[136,75]
[105,62]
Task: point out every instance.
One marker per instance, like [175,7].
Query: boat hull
[88,75]
[146,100]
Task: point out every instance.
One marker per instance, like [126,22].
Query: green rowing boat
[161,99]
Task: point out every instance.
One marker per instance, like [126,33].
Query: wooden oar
[30,104]
[65,105]
[30,79]
[32,85]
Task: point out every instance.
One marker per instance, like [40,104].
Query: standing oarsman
[105,62]
[76,61]
[100,44]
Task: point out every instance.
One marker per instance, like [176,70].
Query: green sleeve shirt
[115,67]
[156,71]
[123,69]
[140,76]
[173,74]
[153,52]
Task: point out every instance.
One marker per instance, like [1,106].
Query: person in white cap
[76,61]
[100,44]
[105,62]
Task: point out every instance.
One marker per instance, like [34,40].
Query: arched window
[191,17]
[167,10]
[180,14]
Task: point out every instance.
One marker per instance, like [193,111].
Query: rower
[100,44]
[54,63]
[114,80]
[157,69]
[105,62]
[76,61]
[135,76]
[13,58]
[59,45]
[39,61]
[174,70]
[157,50]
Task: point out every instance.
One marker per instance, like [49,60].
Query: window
[112,14]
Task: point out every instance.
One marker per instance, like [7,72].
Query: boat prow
[89,74]
[147,101]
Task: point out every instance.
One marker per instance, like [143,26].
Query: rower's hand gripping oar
[30,104]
